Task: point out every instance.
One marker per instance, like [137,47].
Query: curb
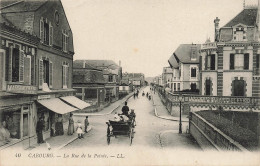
[100,114]
[73,139]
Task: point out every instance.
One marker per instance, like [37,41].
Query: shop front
[17,114]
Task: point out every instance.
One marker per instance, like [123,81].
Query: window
[174,87]
[65,76]
[45,72]
[239,61]
[110,78]
[65,39]
[238,88]
[239,34]
[210,62]
[193,72]
[208,86]
[46,32]
[193,86]
[179,86]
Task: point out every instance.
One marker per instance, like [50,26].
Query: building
[136,79]
[36,76]
[112,74]
[230,64]
[167,76]
[89,84]
[185,60]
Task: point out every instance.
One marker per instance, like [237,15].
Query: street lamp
[180,124]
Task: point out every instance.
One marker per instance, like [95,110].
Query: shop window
[44,112]
[12,120]
[238,88]
[193,72]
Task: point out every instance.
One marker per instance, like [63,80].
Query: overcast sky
[143,34]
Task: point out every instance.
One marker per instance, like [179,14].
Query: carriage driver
[125,109]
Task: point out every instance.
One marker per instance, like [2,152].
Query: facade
[36,67]
[230,64]
[112,74]
[89,84]
[185,61]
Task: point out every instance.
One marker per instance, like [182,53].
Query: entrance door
[25,124]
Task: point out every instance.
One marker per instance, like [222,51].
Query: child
[86,124]
[79,130]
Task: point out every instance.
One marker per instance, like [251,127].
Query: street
[151,131]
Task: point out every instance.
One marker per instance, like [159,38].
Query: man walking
[39,128]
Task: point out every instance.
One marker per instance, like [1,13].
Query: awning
[56,105]
[76,102]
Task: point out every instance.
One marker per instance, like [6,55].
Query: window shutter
[62,41]
[206,62]
[21,66]
[232,62]
[63,76]
[212,61]
[51,34]
[41,29]
[50,74]
[246,61]
[40,73]
[257,60]
[67,75]
[200,63]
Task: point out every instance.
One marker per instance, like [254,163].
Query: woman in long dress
[79,130]
[59,125]
[71,125]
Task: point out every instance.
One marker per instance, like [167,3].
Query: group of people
[125,116]
[57,127]
[136,93]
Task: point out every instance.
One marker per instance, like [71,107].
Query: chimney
[216,22]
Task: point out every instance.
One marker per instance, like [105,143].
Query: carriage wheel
[131,136]
[108,135]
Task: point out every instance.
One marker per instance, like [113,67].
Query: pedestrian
[4,134]
[125,109]
[86,124]
[71,125]
[59,125]
[134,95]
[39,128]
[79,130]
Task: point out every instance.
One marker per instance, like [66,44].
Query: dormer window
[193,53]
[239,34]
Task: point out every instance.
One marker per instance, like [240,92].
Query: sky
[143,34]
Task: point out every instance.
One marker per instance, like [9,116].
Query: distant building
[185,65]
[112,74]
[89,84]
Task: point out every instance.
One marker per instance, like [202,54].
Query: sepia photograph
[130,82]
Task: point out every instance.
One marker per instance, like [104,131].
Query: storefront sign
[25,89]
[44,97]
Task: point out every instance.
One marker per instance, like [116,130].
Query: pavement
[58,142]
[161,112]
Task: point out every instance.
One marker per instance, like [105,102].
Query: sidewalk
[58,142]
[161,111]
[107,110]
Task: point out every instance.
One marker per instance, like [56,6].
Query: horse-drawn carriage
[120,128]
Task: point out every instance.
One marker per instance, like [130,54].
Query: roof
[183,54]
[87,76]
[21,6]
[246,17]
[100,63]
